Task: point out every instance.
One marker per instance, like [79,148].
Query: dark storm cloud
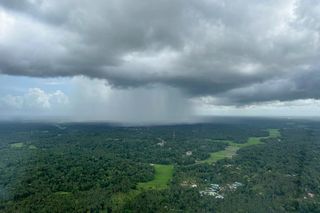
[239,52]
[300,86]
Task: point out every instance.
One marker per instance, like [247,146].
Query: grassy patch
[32,147]
[16,145]
[250,142]
[274,133]
[163,174]
[234,147]
[21,145]
[226,153]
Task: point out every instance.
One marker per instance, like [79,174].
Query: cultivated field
[163,174]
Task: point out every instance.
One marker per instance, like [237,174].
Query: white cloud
[34,98]
[37,98]
[11,101]
[300,107]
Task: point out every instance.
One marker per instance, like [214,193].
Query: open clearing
[16,145]
[232,149]
[250,142]
[32,147]
[22,145]
[274,133]
[163,174]
[226,153]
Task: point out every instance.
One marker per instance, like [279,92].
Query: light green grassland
[226,153]
[163,174]
[274,133]
[250,142]
[232,149]
[32,147]
[17,145]
[21,145]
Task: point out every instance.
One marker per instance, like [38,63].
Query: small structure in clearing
[161,143]
[213,190]
[218,191]
[188,153]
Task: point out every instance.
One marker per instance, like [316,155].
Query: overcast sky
[158,60]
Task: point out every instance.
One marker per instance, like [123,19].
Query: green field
[21,145]
[250,142]
[163,174]
[32,147]
[274,133]
[226,153]
[232,149]
[16,145]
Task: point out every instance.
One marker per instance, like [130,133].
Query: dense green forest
[231,165]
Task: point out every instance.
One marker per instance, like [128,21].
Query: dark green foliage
[81,167]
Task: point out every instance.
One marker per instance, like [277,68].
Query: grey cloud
[239,52]
[299,86]
[145,105]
